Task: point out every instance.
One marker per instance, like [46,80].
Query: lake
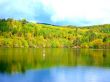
[54,65]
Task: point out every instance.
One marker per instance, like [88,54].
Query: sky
[58,12]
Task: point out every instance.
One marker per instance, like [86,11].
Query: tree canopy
[21,33]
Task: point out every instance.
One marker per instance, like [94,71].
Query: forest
[25,34]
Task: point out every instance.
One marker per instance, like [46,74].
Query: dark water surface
[54,65]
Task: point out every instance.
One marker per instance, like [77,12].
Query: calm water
[54,65]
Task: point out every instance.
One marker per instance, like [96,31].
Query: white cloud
[93,11]
[75,12]
[19,9]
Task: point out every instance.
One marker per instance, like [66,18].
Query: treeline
[21,33]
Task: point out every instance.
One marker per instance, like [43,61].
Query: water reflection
[20,60]
[43,54]
[61,74]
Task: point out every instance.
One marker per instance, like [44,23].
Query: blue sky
[58,12]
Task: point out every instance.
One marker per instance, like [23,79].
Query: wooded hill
[21,33]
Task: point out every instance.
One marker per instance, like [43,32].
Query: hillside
[21,33]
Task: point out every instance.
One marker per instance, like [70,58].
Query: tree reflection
[12,60]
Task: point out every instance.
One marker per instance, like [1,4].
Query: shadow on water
[20,60]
